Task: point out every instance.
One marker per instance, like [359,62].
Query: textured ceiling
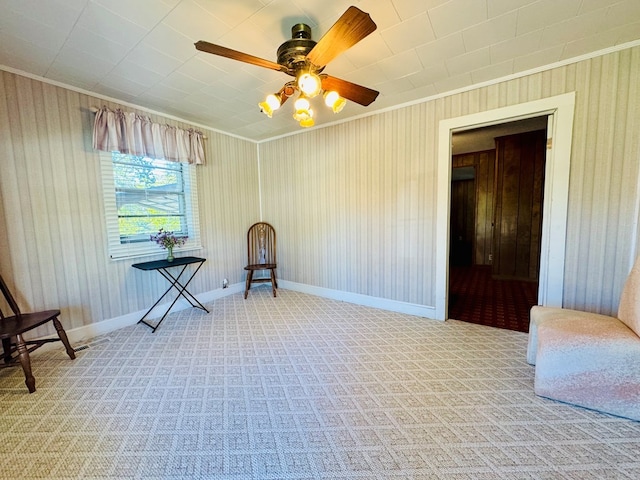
[141,51]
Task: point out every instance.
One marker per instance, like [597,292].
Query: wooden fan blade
[240,56]
[356,93]
[351,27]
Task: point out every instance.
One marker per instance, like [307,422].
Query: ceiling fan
[304,59]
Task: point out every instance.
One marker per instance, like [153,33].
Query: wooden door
[519,187]
[463,202]
[483,163]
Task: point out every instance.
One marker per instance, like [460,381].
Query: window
[143,195]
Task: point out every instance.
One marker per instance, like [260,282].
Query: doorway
[496,222]
[560,110]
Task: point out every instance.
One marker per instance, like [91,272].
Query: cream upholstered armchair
[587,359]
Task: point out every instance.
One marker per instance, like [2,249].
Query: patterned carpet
[301,387]
[474,296]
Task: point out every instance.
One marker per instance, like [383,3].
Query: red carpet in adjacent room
[474,296]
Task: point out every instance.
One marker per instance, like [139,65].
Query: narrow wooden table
[163,266]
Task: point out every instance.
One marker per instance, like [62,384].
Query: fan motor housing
[293,53]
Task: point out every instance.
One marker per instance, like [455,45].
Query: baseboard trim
[81,335]
[364,300]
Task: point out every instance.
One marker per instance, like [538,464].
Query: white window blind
[143,195]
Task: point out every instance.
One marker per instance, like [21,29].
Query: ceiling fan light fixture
[334,101]
[305,59]
[266,109]
[274,101]
[309,84]
[302,108]
[307,122]
[302,103]
[270,104]
[301,115]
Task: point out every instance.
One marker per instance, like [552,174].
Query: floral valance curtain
[134,134]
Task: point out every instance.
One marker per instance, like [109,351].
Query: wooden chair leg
[274,284]
[6,348]
[23,356]
[63,338]
[248,283]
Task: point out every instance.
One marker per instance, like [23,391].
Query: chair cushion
[540,314]
[593,364]
[629,309]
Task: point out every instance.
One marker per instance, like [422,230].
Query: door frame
[560,110]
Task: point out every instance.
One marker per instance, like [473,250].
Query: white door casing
[559,110]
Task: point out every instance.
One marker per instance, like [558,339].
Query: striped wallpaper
[354,204]
[52,230]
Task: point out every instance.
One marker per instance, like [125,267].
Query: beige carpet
[301,387]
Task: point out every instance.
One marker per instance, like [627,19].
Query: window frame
[117,250]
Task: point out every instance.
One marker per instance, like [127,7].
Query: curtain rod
[96,109]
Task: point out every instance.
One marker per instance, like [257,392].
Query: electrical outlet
[225,283]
